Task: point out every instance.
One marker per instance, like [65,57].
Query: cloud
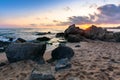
[108,14]
[33,25]
[93,6]
[67,8]
[55,21]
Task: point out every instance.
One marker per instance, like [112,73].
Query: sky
[59,13]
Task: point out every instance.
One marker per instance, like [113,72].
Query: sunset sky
[59,13]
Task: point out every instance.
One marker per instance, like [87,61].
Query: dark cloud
[108,14]
[55,21]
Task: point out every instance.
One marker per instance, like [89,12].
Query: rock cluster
[75,34]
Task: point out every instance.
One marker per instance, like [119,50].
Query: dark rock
[77,46]
[109,36]
[2,64]
[62,64]
[62,52]
[42,72]
[110,68]
[74,38]
[2,49]
[20,40]
[73,34]
[11,39]
[95,32]
[43,39]
[72,29]
[117,36]
[60,35]
[24,51]
[43,33]
[3,43]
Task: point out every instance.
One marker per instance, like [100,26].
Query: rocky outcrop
[72,29]
[43,39]
[95,32]
[25,51]
[73,34]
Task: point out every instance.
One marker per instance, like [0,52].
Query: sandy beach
[93,60]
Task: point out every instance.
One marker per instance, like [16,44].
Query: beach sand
[94,60]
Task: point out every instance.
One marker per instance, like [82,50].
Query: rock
[62,52]
[77,46]
[4,44]
[73,34]
[74,38]
[20,40]
[11,39]
[2,49]
[109,36]
[42,72]
[60,35]
[73,78]
[72,29]
[2,64]
[117,36]
[24,51]
[94,32]
[42,33]
[62,64]
[43,39]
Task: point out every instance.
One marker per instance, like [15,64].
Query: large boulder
[94,32]
[73,34]
[61,52]
[24,51]
[72,29]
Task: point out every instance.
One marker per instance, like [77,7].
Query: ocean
[26,33]
[30,33]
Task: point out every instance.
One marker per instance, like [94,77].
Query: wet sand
[94,60]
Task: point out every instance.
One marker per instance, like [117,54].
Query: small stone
[62,64]
[110,68]
[77,46]
[2,64]
[42,72]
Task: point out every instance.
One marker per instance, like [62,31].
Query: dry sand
[94,60]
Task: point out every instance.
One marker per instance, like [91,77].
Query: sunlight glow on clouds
[60,13]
